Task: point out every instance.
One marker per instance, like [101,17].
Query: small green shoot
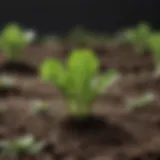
[79,80]
[13,40]
[138,36]
[38,107]
[22,146]
[140,102]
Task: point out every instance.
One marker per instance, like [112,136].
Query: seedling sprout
[13,40]
[25,145]
[138,36]
[79,80]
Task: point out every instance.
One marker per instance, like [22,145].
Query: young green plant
[22,146]
[138,36]
[13,40]
[78,80]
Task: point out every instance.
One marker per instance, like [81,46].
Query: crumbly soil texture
[112,132]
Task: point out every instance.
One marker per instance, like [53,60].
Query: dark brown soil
[112,132]
[18,67]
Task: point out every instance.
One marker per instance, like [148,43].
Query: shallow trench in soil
[113,132]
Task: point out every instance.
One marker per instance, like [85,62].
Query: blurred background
[59,16]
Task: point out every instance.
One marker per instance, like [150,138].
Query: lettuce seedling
[25,145]
[79,80]
[138,36]
[13,41]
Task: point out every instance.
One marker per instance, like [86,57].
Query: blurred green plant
[79,80]
[22,146]
[13,40]
[138,36]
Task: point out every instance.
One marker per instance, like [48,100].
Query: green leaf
[138,36]
[82,66]
[52,70]
[106,80]
[154,45]
[78,82]
[12,41]
[23,143]
[144,30]
[102,82]
[13,33]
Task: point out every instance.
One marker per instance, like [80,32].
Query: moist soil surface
[112,132]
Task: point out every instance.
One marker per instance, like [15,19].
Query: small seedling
[140,102]
[79,80]
[13,40]
[22,146]
[38,107]
[138,36]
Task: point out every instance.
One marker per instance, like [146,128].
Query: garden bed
[113,132]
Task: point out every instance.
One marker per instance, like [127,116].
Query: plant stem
[78,110]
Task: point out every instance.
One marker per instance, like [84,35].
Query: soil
[112,132]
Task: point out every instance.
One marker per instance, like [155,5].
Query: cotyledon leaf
[52,70]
